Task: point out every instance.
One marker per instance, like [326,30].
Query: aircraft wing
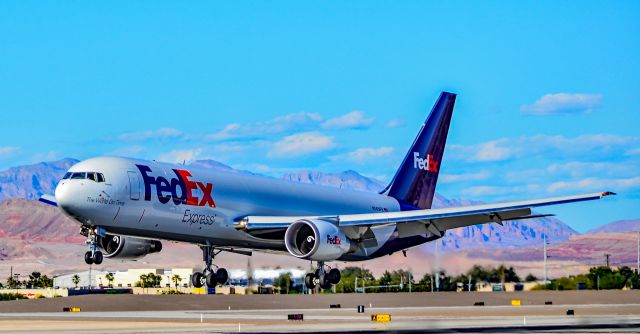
[48,199]
[435,221]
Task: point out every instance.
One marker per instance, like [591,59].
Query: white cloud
[633,151]
[492,151]
[180,156]
[563,103]
[351,120]
[290,122]
[130,151]
[229,131]
[394,123]
[449,178]
[579,168]
[492,191]
[8,150]
[484,191]
[364,154]
[596,184]
[301,144]
[162,133]
[507,148]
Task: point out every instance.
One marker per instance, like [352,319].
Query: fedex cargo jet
[127,206]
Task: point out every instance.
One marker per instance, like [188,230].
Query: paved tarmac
[595,311]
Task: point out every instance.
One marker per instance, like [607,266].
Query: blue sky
[548,98]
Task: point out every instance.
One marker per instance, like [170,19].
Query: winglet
[607,193]
[48,199]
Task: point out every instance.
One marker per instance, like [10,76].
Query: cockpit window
[96,177]
[78,176]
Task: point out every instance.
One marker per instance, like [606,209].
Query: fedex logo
[167,190]
[427,164]
[335,240]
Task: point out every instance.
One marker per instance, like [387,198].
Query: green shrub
[12,296]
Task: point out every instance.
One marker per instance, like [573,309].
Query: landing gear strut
[93,255]
[322,278]
[208,276]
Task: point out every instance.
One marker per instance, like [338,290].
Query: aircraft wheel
[97,257]
[211,280]
[222,276]
[309,281]
[197,280]
[88,259]
[334,276]
[325,283]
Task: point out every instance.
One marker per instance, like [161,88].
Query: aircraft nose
[64,196]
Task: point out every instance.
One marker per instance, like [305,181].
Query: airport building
[85,277]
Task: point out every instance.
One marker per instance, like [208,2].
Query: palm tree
[175,279]
[109,277]
[75,279]
[144,280]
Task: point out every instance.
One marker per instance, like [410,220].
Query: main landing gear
[94,255]
[208,276]
[322,278]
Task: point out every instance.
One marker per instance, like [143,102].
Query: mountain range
[34,233]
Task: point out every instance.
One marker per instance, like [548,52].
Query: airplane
[126,207]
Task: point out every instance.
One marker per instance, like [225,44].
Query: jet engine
[316,240]
[127,248]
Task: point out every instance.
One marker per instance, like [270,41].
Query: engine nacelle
[127,248]
[316,240]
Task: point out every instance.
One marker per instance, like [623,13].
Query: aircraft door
[134,185]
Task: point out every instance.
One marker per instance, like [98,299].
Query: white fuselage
[155,200]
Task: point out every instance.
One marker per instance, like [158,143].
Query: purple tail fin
[415,182]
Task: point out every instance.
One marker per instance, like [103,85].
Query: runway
[594,312]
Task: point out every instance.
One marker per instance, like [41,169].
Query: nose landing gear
[322,278]
[93,255]
[208,276]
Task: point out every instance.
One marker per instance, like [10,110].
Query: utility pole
[607,257]
[437,267]
[431,281]
[362,272]
[544,239]
[638,268]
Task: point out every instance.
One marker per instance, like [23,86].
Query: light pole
[16,281]
[545,243]
[355,284]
